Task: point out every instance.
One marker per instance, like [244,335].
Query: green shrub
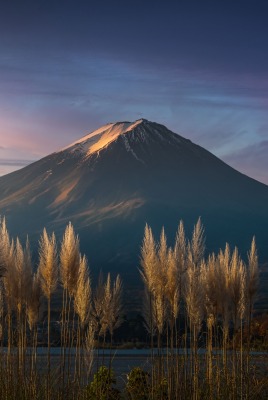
[138,387]
[101,388]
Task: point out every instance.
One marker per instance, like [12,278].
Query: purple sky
[198,67]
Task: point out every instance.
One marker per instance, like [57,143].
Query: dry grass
[214,296]
[217,297]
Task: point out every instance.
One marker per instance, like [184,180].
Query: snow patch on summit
[97,140]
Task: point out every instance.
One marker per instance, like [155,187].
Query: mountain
[112,181]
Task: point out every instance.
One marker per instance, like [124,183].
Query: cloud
[251,160]
[8,166]
[15,163]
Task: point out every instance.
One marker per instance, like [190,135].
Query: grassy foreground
[191,303]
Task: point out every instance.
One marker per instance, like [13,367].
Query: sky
[200,67]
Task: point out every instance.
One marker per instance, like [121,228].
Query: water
[121,360]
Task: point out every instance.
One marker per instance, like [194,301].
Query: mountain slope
[114,180]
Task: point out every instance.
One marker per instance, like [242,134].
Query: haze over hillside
[112,181]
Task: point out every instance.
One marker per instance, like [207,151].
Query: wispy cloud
[15,163]
[8,166]
[252,160]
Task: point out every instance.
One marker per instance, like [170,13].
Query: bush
[138,387]
[101,387]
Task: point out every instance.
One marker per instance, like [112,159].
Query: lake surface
[121,360]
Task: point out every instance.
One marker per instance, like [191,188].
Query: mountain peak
[100,138]
[139,172]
